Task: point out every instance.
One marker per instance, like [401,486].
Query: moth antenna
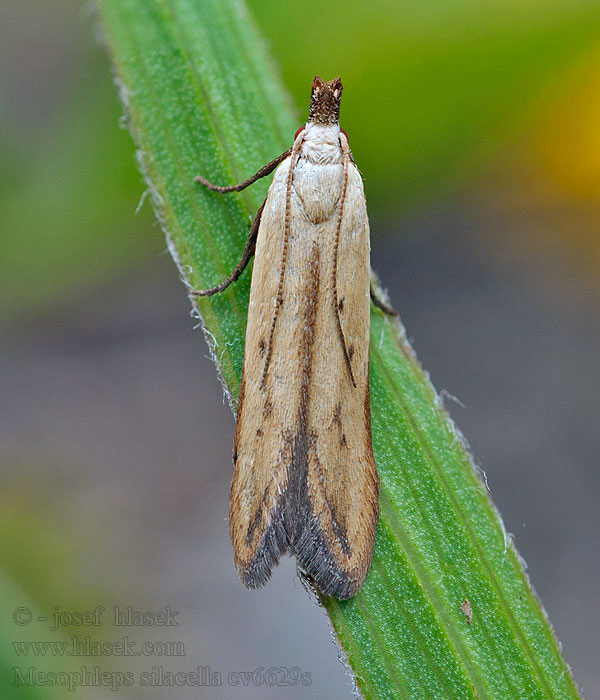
[295,150]
[336,302]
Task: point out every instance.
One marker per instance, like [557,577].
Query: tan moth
[305,480]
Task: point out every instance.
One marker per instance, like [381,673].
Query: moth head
[325,101]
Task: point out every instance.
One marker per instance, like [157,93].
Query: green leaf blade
[203,98]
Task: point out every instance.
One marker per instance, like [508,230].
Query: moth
[305,480]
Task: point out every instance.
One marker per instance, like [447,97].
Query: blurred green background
[476,128]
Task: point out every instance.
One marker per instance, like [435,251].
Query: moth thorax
[325,101]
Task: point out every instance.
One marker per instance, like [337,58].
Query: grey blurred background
[116,442]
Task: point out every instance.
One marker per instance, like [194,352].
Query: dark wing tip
[274,544]
[319,566]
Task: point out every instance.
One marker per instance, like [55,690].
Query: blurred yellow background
[476,127]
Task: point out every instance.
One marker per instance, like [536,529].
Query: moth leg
[263,172]
[241,266]
[380,304]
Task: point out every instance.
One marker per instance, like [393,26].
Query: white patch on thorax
[321,143]
[318,174]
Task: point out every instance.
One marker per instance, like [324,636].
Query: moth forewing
[305,480]
[261,464]
[342,477]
